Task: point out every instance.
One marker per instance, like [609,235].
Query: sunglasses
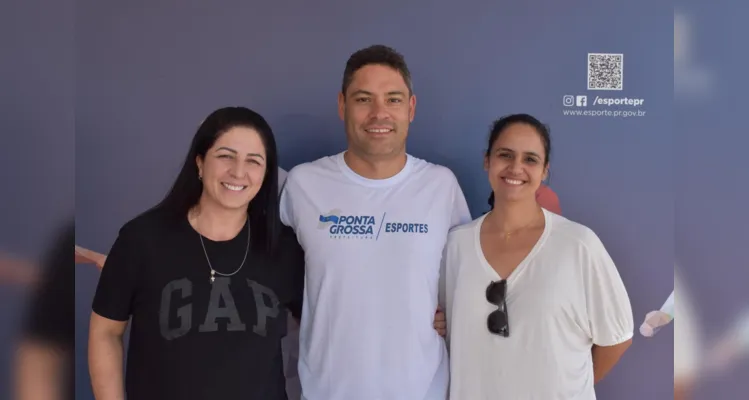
[497,321]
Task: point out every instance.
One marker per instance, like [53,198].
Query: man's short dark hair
[376,55]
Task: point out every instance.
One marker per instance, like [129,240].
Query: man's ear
[341,105]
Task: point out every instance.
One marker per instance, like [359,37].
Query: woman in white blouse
[535,306]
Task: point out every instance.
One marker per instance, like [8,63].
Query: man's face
[376,111]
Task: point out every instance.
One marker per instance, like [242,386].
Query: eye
[532,160]
[253,161]
[505,155]
[224,156]
[395,100]
[362,99]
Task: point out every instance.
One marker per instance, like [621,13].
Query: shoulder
[289,251]
[432,170]
[147,226]
[460,243]
[312,168]
[464,232]
[428,174]
[575,233]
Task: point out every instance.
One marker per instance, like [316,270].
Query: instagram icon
[568,101]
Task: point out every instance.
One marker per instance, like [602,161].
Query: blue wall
[148,72]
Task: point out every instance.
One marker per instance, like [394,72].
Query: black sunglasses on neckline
[497,321]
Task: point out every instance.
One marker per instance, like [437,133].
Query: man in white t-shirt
[373,221]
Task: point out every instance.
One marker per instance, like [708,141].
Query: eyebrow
[368,93]
[235,152]
[530,153]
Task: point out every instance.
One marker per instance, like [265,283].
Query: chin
[233,205]
[238,209]
[382,150]
[514,197]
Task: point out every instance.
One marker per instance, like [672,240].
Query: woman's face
[515,164]
[233,169]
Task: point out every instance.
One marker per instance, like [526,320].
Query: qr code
[605,71]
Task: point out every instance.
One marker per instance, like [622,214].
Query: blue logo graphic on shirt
[342,226]
[329,218]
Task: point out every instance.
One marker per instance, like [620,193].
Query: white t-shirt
[373,250]
[565,296]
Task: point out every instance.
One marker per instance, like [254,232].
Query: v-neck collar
[536,247]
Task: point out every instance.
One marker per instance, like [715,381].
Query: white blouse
[565,296]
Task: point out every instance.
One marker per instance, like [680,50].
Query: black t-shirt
[191,338]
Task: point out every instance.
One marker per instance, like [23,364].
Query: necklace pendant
[213,279]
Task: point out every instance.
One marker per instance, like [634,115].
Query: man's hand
[440,325]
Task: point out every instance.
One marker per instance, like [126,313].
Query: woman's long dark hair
[263,210]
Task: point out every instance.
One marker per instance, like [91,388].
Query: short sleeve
[293,259]
[460,212]
[609,309]
[117,283]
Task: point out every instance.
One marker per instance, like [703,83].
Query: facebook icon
[581,101]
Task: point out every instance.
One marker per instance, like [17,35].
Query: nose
[516,166]
[237,169]
[378,111]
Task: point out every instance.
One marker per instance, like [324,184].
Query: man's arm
[105,357]
[605,357]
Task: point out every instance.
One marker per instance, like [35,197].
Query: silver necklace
[213,271]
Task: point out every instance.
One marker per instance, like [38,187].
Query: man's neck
[375,168]
[215,222]
[511,216]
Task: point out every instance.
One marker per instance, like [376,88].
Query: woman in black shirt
[204,277]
